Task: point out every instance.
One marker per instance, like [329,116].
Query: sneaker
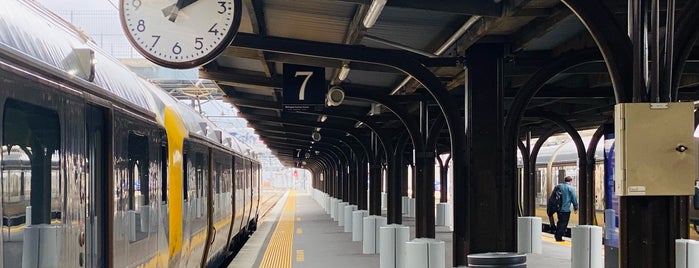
[559,239]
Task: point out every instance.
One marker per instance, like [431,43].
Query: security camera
[315,136]
[335,96]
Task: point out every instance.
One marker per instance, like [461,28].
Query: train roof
[565,152]
[31,33]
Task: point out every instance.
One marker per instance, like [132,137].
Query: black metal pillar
[397,182]
[528,187]
[493,208]
[423,190]
[443,179]
[649,225]
[354,181]
[362,176]
[375,189]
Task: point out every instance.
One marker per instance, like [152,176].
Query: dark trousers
[563,218]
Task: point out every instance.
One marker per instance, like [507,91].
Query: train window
[138,171]
[163,170]
[217,176]
[199,174]
[185,177]
[30,153]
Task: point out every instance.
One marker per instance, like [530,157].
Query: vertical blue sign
[611,211]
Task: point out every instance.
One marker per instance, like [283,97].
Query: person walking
[568,198]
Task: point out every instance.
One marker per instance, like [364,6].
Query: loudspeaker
[335,96]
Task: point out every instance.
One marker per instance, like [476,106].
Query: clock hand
[171,11]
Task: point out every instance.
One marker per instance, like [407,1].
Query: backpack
[555,201]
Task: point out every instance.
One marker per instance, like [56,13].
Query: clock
[180,34]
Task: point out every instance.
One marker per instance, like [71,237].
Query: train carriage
[100,168]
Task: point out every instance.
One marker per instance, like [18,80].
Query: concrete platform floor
[318,241]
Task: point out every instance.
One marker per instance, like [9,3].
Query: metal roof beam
[471,7]
[259,26]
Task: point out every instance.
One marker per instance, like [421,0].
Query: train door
[98,140]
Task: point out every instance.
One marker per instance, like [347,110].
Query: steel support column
[491,209]
[526,186]
[395,176]
[362,176]
[354,180]
[375,189]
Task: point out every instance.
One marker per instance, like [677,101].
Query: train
[559,159]
[101,168]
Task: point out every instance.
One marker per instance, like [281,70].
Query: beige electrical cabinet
[655,151]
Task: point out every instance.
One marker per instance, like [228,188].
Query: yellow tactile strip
[279,250]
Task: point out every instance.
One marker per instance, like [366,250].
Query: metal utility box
[655,151]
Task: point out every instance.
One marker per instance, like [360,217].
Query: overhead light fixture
[358,124]
[373,14]
[344,72]
[322,119]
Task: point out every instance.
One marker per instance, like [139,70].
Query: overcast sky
[78,4]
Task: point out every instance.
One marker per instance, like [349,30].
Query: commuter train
[556,161]
[100,168]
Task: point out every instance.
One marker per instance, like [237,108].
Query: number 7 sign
[304,88]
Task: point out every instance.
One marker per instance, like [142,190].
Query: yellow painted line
[299,255]
[279,249]
[299,231]
[553,240]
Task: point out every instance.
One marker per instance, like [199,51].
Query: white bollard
[145,219]
[341,213]
[411,208]
[348,217]
[131,219]
[586,250]
[425,253]
[328,201]
[358,224]
[370,235]
[393,237]
[686,253]
[28,216]
[529,235]
[405,202]
[443,214]
[42,246]
[333,208]
[384,200]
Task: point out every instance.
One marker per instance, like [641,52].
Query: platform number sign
[304,88]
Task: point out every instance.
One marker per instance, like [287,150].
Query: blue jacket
[568,197]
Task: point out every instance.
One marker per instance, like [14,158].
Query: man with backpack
[561,198]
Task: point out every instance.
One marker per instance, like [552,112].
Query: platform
[298,233]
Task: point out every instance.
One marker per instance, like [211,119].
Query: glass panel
[30,179]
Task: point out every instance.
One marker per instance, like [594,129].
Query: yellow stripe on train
[176,133]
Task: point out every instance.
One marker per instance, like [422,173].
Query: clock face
[180,33]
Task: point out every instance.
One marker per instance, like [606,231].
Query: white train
[100,168]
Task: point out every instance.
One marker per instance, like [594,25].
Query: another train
[100,168]
[560,159]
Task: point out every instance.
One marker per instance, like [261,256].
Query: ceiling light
[322,119]
[373,14]
[344,72]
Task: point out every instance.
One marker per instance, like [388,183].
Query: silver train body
[100,168]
